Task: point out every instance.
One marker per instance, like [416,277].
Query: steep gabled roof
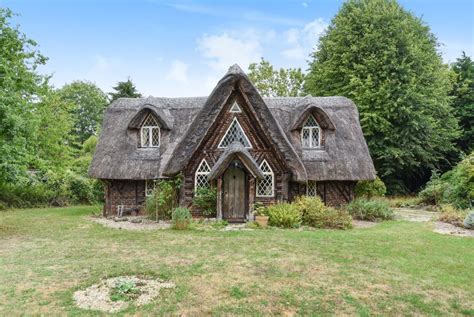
[235,77]
[345,155]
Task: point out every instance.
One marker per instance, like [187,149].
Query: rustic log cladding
[192,129]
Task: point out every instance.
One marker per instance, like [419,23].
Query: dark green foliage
[463,102]
[87,106]
[284,215]
[276,83]
[370,189]
[164,198]
[385,59]
[469,221]
[316,214]
[205,199]
[124,89]
[181,218]
[455,187]
[370,210]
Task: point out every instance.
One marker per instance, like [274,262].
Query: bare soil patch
[447,228]
[131,223]
[415,215]
[98,296]
[359,224]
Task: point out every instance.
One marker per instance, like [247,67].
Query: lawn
[394,268]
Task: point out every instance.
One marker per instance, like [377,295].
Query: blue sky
[182,48]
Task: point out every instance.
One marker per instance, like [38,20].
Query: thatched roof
[345,155]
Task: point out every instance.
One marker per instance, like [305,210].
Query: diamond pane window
[310,134]
[234,133]
[149,187]
[201,180]
[311,189]
[150,132]
[235,108]
[265,185]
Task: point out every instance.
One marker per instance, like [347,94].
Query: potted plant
[260,212]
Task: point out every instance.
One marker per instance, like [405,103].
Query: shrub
[469,221]
[370,188]
[450,214]
[454,187]
[180,218]
[164,198]
[284,215]
[205,199]
[315,214]
[371,210]
[124,290]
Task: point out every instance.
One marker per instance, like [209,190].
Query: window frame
[311,183]
[146,187]
[273,180]
[150,129]
[311,130]
[227,131]
[201,173]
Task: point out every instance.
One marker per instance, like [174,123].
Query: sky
[183,48]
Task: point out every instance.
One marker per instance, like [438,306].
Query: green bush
[469,221]
[284,215]
[455,187]
[205,199]
[315,214]
[371,210]
[370,188]
[24,196]
[180,218]
[164,198]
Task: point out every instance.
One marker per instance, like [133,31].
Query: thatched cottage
[252,149]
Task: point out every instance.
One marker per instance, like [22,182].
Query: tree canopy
[386,60]
[125,89]
[88,104]
[463,102]
[272,82]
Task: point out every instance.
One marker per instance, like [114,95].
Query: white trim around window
[238,129]
[150,132]
[308,132]
[266,186]
[150,185]
[200,177]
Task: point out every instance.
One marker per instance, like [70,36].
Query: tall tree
[272,82]
[20,88]
[386,60]
[88,104]
[463,102]
[125,89]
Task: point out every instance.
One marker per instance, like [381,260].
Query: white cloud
[301,41]
[178,71]
[226,49]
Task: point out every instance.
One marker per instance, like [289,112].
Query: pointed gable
[234,79]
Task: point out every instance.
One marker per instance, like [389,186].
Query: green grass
[394,268]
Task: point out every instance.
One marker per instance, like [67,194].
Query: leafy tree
[463,102]
[125,89]
[271,82]
[385,59]
[88,104]
[20,88]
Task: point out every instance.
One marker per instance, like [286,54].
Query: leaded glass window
[311,189]
[234,133]
[149,187]
[235,108]
[201,180]
[265,186]
[311,134]
[150,132]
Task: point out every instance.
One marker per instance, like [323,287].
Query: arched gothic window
[311,134]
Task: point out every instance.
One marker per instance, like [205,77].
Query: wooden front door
[234,206]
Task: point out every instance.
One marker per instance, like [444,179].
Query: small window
[150,185]
[265,186]
[201,180]
[150,132]
[234,133]
[235,108]
[311,189]
[311,134]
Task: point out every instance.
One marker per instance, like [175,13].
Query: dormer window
[311,134]
[150,132]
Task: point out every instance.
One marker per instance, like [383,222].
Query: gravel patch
[97,296]
[447,228]
[131,223]
[358,224]
[236,227]
[415,215]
